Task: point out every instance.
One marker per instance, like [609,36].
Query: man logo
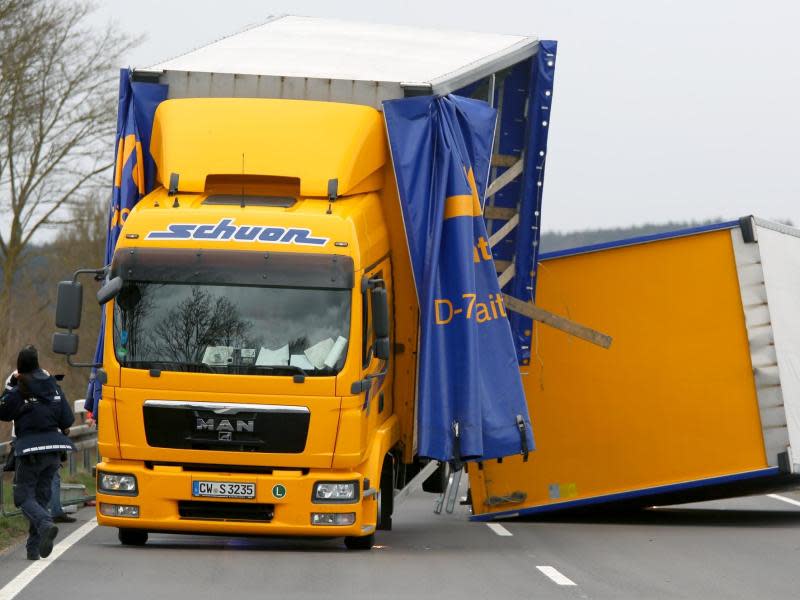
[226,230]
[225,426]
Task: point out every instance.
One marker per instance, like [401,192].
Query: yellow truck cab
[242,359]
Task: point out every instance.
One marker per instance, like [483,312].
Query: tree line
[58,86]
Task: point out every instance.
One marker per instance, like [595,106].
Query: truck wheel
[437,482]
[386,496]
[132,537]
[360,543]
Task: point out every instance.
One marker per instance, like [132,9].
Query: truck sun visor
[234,267]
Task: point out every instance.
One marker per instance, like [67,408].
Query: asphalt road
[743,548]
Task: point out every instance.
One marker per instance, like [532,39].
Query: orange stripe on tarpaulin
[464,205]
[459,206]
[128,146]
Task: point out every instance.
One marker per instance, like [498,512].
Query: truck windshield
[230,329]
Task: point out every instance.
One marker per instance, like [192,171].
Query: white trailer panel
[773,325]
[328,59]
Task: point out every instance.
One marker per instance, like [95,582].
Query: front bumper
[162,488]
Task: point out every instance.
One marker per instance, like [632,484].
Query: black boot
[65,518]
[46,542]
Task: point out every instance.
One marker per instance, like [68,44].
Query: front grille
[225,511]
[197,429]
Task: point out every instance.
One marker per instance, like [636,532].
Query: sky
[662,110]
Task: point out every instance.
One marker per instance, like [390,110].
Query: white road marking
[556,575]
[499,529]
[783,499]
[16,585]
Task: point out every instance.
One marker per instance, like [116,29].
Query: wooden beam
[498,235]
[532,311]
[506,275]
[498,212]
[505,178]
[504,160]
[501,265]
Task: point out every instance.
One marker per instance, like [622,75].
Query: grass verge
[12,529]
[15,527]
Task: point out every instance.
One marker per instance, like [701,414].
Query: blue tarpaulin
[134,176]
[526,247]
[470,397]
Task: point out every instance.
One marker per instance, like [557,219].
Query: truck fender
[386,436]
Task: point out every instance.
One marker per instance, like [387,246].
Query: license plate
[223,489]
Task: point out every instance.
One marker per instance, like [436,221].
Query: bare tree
[81,242]
[199,321]
[57,99]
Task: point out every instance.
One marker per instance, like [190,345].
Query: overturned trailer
[699,396]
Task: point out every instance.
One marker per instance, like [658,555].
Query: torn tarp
[471,402]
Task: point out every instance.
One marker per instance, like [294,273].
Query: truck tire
[386,496]
[132,537]
[437,482]
[360,543]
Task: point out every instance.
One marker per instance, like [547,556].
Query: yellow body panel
[673,400]
[406,319]
[311,141]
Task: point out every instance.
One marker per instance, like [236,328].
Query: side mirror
[109,291]
[380,312]
[68,304]
[68,311]
[65,343]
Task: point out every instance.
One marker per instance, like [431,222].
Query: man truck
[259,354]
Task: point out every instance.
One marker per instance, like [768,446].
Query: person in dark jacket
[40,411]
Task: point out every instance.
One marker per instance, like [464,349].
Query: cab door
[370,401]
[378,398]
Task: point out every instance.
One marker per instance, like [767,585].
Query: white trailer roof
[307,48]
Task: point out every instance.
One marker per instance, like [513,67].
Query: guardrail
[85,439]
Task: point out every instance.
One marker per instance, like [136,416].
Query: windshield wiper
[293,368]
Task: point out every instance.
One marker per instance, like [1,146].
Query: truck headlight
[114,483]
[335,491]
